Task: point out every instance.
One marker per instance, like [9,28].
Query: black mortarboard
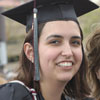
[49,10]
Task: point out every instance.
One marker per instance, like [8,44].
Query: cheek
[47,55]
[79,55]
[78,59]
[47,60]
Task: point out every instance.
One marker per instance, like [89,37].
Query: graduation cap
[48,10]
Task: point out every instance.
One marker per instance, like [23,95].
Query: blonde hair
[93,53]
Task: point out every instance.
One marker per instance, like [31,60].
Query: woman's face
[60,51]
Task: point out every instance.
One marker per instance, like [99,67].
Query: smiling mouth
[65,64]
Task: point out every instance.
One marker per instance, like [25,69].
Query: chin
[65,79]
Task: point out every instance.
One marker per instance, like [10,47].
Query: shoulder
[14,91]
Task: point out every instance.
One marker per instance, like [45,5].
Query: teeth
[65,64]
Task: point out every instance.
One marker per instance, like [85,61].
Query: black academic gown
[16,91]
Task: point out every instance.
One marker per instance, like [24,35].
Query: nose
[67,50]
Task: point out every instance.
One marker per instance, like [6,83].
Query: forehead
[61,28]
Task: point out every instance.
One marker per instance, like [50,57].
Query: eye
[55,42]
[76,42]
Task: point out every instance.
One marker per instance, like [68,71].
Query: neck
[52,90]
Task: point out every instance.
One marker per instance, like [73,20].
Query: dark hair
[93,52]
[26,68]
[76,88]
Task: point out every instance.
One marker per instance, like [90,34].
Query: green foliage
[88,21]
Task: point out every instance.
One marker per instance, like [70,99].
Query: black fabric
[88,98]
[14,91]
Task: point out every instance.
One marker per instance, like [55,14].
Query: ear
[28,49]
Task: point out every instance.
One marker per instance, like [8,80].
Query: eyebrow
[77,37]
[54,36]
[59,36]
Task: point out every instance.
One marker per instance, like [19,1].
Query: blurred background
[12,36]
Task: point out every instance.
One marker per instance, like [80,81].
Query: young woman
[61,56]
[93,50]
